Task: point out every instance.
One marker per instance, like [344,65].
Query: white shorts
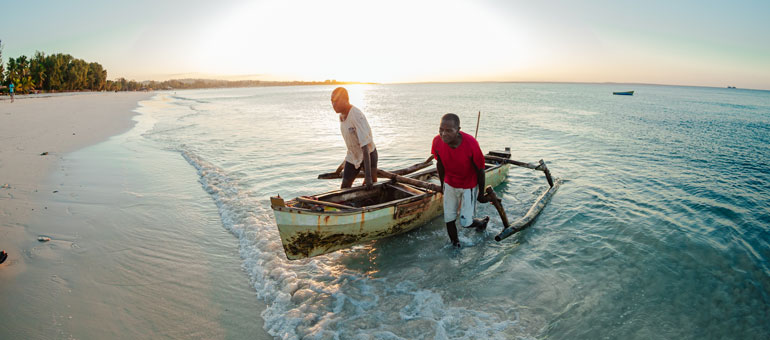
[462,200]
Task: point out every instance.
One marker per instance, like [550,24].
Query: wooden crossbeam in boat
[410,181]
[328,204]
[406,188]
[428,162]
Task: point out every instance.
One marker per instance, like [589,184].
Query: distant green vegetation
[56,72]
[62,72]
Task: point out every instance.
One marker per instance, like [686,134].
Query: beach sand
[133,253]
[30,127]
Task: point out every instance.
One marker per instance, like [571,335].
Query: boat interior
[385,192]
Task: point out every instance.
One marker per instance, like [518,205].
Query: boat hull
[307,233]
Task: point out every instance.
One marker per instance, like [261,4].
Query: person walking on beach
[10,90]
[460,164]
[359,141]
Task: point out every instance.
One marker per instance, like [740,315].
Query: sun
[397,41]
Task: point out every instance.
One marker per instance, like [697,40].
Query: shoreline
[135,250]
[35,134]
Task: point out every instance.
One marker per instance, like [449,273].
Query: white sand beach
[30,127]
[125,259]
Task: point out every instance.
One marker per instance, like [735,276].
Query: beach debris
[44,153]
[6,186]
[55,191]
[43,238]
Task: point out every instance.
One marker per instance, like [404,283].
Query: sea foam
[319,298]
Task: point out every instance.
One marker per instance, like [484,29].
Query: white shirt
[356,133]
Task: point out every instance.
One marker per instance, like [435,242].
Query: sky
[701,43]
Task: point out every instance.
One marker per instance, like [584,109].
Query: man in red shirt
[460,164]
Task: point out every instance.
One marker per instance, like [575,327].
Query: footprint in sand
[60,284]
[52,250]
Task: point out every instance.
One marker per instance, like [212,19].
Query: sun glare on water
[360,41]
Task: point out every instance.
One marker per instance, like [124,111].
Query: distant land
[60,72]
[216,83]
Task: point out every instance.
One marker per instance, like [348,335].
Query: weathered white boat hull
[305,233]
[311,234]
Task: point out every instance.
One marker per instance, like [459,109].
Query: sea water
[660,229]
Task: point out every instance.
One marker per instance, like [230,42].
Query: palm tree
[37,69]
[2,70]
[24,84]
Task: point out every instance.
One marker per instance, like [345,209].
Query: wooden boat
[624,93]
[323,223]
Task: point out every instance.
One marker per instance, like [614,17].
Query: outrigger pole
[523,222]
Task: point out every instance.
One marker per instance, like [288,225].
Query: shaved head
[452,118]
[340,101]
[340,93]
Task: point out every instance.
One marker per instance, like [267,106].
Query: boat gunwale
[359,210]
[356,211]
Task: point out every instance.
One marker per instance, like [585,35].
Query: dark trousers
[350,172]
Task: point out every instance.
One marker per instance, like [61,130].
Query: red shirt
[458,169]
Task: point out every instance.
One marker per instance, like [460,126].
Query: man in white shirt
[358,139]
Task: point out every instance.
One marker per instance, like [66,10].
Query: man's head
[340,101]
[449,128]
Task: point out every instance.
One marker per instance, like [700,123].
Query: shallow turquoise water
[660,229]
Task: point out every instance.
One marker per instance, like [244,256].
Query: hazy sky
[710,43]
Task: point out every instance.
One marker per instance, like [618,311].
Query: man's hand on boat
[483,198]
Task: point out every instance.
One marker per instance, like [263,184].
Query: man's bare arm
[481,178]
[440,168]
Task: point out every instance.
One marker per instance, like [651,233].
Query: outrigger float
[319,224]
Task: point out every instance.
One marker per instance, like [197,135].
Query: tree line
[53,73]
[62,72]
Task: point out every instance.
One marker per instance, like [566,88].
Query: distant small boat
[626,93]
[730,87]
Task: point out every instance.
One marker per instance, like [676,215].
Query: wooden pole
[328,204]
[477,126]
[410,181]
[498,205]
[529,217]
[510,161]
[539,167]
[428,162]
[547,173]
